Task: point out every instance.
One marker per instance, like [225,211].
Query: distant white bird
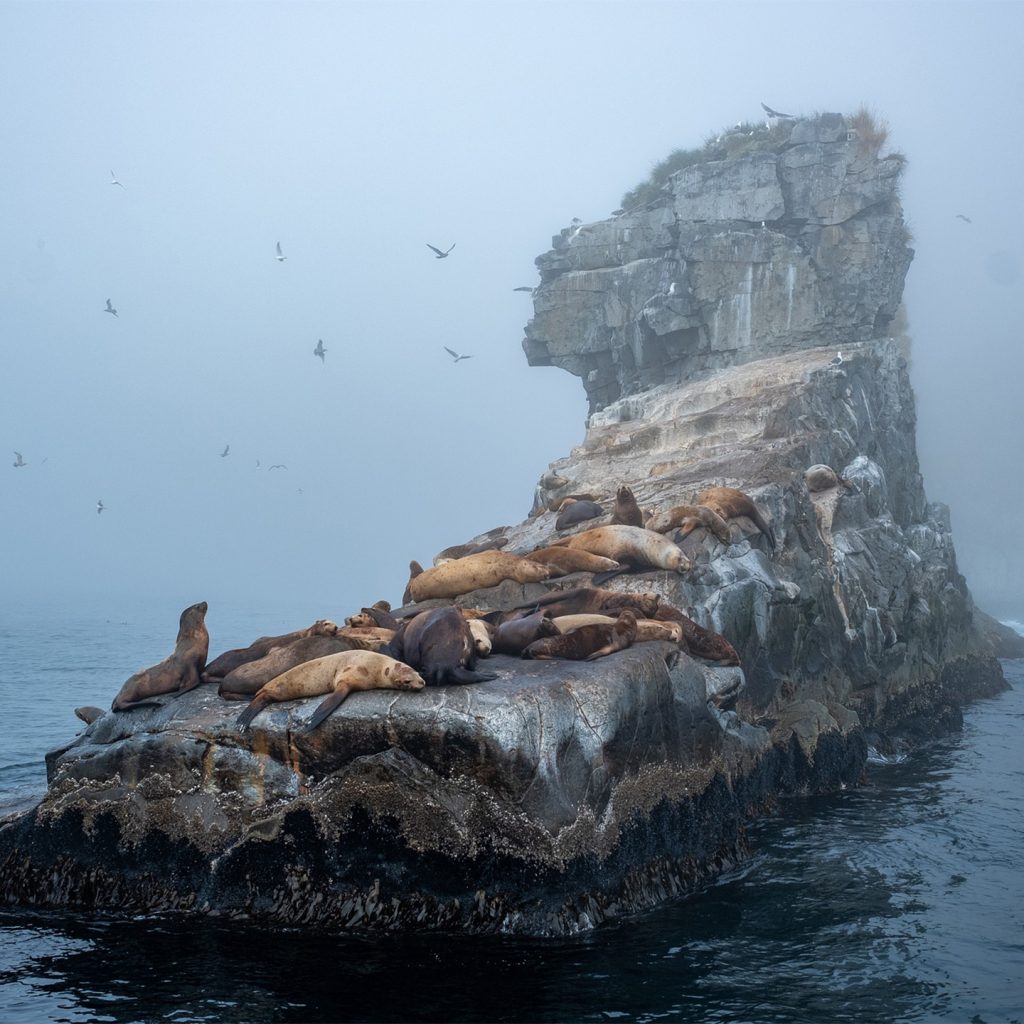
[18,461]
[280,257]
[113,179]
[441,255]
[455,355]
[672,288]
[775,113]
[100,506]
[320,350]
[110,308]
[838,360]
[226,448]
[523,288]
[280,465]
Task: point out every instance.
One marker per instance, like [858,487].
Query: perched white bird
[110,308]
[113,179]
[18,461]
[280,257]
[320,350]
[838,360]
[455,355]
[441,255]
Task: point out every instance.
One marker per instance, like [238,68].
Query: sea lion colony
[380,649]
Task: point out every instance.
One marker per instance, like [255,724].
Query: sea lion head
[193,616]
[401,677]
[481,636]
[677,560]
[361,619]
[324,627]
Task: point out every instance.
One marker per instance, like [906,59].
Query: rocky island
[734,328]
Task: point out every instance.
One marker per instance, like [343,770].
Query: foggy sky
[355,134]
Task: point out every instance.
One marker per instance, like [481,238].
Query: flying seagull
[320,350]
[280,257]
[455,355]
[441,255]
[100,506]
[966,220]
[523,288]
[774,113]
[110,308]
[18,461]
[113,179]
[280,465]
[223,453]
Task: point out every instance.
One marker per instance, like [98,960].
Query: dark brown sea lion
[587,643]
[247,679]
[593,599]
[89,714]
[646,629]
[625,511]
[563,561]
[415,569]
[729,503]
[514,636]
[337,674]
[700,642]
[461,550]
[555,504]
[373,616]
[180,672]
[230,660]
[688,518]
[439,644]
[572,512]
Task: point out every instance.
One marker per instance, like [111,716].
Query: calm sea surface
[899,901]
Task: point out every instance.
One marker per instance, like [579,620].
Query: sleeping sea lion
[822,478]
[230,660]
[573,511]
[729,503]
[373,616]
[514,636]
[555,504]
[700,642]
[563,561]
[625,511]
[439,644]
[646,629]
[461,550]
[581,600]
[689,517]
[180,672]
[366,638]
[337,674]
[462,575]
[89,714]
[630,545]
[587,643]
[247,679]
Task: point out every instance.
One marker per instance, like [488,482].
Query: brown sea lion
[587,643]
[247,679]
[555,504]
[415,569]
[179,673]
[625,511]
[646,629]
[89,714]
[230,660]
[822,478]
[689,517]
[337,674]
[514,636]
[373,616]
[729,503]
[630,545]
[462,575]
[461,550]
[366,638]
[700,642]
[439,644]
[573,511]
[582,600]
[563,561]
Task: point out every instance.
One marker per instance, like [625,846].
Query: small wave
[877,757]
[1015,624]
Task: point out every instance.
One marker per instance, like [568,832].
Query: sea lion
[555,504]
[572,511]
[415,569]
[461,550]
[700,642]
[373,616]
[341,673]
[822,478]
[630,545]
[482,635]
[587,643]
[625,511]
[366,638]
[582,600]
[689,517]
[514,636]
[247,679]
[178,673]
[439,644]
[562,561]
[230,660]
[89,714]
[462,575]
[729,503]
[646,629]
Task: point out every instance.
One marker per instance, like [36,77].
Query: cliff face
[562,794]
[797,245]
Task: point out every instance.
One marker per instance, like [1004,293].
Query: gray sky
[355,133]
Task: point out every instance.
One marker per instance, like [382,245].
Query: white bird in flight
[110,308]
[441,255]
[100,506]
[223,453]
[18,461]
[455,355]
[280,257]
[320,350]
[113,179]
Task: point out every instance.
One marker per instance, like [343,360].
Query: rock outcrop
[563,794]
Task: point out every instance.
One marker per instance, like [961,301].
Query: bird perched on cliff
[441,255]
[226,449]
[965,219]
[18,461]
[113,179]
[110,308]
[837,360]
[280,257]
[455,355]
[100,506]
[320,350]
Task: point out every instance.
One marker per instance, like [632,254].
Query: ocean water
[901,900]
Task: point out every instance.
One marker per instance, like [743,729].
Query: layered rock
[561,794]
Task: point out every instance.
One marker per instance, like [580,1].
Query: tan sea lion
[822,478]
[555,504]
[439,644]
[337,674]
[573,511]
[482,635]
[625,511]
[462,575]
[230,660]
[729,503]
[180,672]
[366,638]
[587,643]
[247,679]
[373,616]
[461,550]
[630,545]
[563,561]
[582,600]
[689,517]
[646,629]
[514,636]
[700,642]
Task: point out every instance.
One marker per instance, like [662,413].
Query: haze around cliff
[355,134]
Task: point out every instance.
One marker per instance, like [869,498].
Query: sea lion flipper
[256,705]
[464,675]
[326,706]
[601,578]
[602,652]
